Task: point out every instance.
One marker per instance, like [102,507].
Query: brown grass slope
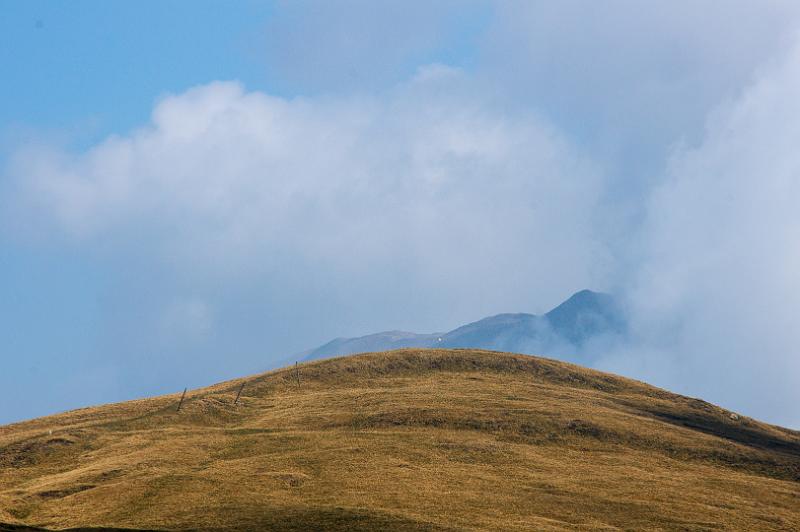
[405,440]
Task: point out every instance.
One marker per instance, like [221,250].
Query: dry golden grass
[406,440]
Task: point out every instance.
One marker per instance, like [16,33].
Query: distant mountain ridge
[586,318]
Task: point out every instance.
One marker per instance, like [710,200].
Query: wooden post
[239,393]
[297,373]
[181,402]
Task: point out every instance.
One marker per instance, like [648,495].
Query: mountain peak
[562,331]
[587,314]
[584,297]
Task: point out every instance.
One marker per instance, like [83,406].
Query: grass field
[405,440]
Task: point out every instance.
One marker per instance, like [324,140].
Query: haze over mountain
[258,179]
[587,319]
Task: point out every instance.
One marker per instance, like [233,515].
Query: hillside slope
[406,440]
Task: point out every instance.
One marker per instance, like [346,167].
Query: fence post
[239,393]
[181,401]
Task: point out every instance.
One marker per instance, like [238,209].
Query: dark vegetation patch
[330,519]
[22,528]
[587,429]
[737,431]
[41,450]
[64,492]
[111,474]
[291,519]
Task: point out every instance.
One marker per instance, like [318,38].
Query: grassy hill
[405,440]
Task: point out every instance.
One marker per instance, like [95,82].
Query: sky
[195,191]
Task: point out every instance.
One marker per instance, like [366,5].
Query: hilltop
[584,317]
[406,440]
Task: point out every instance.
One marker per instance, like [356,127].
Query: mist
[514,154]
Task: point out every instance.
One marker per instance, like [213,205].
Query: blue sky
[95,68]
[192,191]
[79,72]
[76,73]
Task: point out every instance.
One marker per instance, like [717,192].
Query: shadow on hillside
[289,519]
[754,437]
[21,528]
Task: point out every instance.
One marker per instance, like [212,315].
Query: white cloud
[425,201]
[427,184]
[630,78]
[717,293]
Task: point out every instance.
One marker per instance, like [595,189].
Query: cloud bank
[647,152]
[239,227]
[717,293]
[423,182]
